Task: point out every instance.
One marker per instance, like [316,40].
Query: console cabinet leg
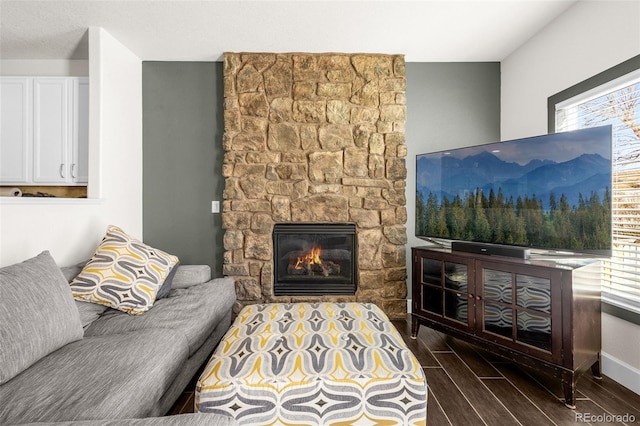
[414,328]
[569,388]
[595,370]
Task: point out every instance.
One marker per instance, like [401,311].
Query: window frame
[601,79]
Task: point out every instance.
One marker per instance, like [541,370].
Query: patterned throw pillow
[124,273]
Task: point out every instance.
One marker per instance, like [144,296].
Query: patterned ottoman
[314,363]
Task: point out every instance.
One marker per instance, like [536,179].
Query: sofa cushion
[188,275]
[123,273]
[89,312]
[116,376]
[37,314]
[193,312]
[70,272]
[165,288]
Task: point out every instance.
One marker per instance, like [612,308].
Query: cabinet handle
[73,171]
[470,296]
[478,298]
[62,170]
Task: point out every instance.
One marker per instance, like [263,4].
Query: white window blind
[616,103]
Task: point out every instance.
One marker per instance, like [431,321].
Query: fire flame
[311,258]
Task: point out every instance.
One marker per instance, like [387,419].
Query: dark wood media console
[542,312]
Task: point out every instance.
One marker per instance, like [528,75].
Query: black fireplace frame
[301,287]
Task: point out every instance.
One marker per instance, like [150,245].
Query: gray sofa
[192,419]
[62,360]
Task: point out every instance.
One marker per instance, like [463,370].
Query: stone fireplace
[315,139]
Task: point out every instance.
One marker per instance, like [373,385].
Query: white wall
[587,39]
[72,229]
[590,37]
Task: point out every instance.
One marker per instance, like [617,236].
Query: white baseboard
[623,373]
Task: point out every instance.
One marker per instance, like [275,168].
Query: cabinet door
[15,125]
[50,130]
[79,170]
[516,309]
[443,285]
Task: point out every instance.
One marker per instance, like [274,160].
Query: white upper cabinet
[55,142]
[51,135]
[15,130]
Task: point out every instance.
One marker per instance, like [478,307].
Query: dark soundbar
[490,249]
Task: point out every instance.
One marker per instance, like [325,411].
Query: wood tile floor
[469,386]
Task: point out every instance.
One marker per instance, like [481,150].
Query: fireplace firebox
[314,259]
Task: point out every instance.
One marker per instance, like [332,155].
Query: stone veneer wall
[315,138]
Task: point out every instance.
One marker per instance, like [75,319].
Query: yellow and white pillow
[124,273]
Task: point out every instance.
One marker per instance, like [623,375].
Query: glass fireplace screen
[314,259]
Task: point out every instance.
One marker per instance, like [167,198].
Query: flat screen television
[549,192]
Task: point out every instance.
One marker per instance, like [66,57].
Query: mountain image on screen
[550,191]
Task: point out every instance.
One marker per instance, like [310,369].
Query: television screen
[549,192]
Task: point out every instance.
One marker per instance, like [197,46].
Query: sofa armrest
[188,275]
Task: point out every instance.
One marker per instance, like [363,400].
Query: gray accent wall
[448,105]
[182,160]
[452,104]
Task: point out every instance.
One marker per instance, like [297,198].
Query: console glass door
[456,292]
[517,307]
[533,310]
[431,283]
[498,298]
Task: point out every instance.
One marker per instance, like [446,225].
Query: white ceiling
[186,30]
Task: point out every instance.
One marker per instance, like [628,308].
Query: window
[613,98]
